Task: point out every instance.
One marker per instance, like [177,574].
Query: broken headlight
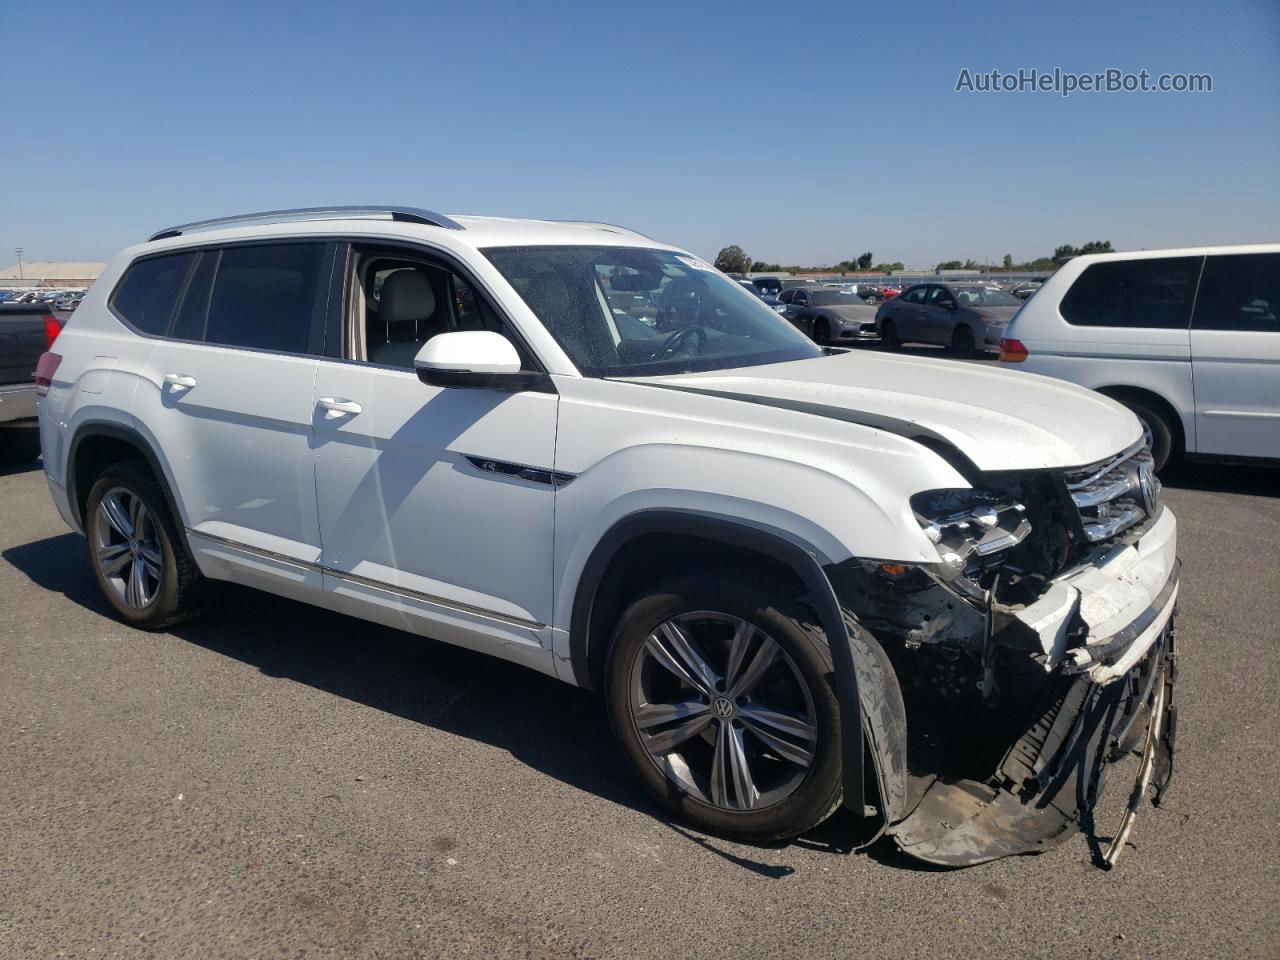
[971,529]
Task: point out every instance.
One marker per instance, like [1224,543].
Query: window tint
[264,296]
[939,295]
[1152,293]
[189,323]
[1240,292]
[149,291]
[915,295]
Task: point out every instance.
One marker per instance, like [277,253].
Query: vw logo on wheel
[722,707]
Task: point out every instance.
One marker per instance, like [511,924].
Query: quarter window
[264,296]
[1240,292]
[149,291]
[1154,293]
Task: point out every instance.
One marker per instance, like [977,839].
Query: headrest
[406,300]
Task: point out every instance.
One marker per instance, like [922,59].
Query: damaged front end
[1036,652]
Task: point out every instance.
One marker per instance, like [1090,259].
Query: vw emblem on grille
[1149,487]
[722,707]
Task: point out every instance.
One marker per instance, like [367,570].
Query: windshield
[986,297]
[833,298]
[629,312]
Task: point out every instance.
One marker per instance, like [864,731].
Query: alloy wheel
[127,548]
[723,711]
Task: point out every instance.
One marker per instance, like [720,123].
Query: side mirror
[474,358]
[947,304]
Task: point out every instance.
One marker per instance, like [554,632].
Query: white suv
[1187,339]
[588,452]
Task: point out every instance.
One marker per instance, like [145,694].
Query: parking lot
[278,780]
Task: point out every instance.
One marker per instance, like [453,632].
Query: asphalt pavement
[274,780]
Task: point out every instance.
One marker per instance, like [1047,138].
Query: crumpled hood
[999,419]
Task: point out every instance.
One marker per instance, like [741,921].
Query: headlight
[970,526]
[779,308]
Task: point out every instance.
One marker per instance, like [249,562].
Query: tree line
[733,259]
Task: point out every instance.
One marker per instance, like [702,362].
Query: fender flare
[118,431]
[851,670]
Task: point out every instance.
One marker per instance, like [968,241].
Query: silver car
[967,317]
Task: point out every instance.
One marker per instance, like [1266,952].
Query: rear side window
[149,291]
[1154,293]
[1240,292]
[264,296]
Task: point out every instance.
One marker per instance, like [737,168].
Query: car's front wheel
[719,697]
[138,558]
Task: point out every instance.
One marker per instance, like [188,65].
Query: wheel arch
[600,594]
[97,444]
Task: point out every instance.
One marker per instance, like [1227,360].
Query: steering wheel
[672,344]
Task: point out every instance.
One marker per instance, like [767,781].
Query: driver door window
[399,304]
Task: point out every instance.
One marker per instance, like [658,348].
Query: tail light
[46,367]
[1013,351]
[51,330]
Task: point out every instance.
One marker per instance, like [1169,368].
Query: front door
[436,503]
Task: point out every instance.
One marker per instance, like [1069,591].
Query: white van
[1188,339]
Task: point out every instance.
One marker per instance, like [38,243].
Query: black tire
[793,627]
[889,335]
[962,344]
[821,331]
[179,592]
[1163,438]
[19,444]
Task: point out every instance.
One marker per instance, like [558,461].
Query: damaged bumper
[1015,713]
[1123,600]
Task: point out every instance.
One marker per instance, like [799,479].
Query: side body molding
[854,668]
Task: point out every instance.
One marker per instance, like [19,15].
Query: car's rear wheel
[138,558]
[962,344]
[821,331]
[889,335]
[1157,431]
[720,700]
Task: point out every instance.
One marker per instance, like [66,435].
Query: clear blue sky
[806,132]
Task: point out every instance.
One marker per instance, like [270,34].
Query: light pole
[18,251]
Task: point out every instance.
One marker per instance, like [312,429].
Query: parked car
[775,562]
[1188,339]
[26,332]
[1023,291]
[775,285]
[68,302]
[829,316]
[967,317]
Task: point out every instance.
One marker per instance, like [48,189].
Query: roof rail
[360,212]
[599,225]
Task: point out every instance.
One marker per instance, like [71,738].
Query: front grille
[1115,494]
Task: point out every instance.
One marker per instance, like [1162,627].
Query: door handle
[179,381]
[335,407]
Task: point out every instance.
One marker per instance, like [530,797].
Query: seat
[406,319]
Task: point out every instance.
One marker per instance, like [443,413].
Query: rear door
[228,395]
[1235,355]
